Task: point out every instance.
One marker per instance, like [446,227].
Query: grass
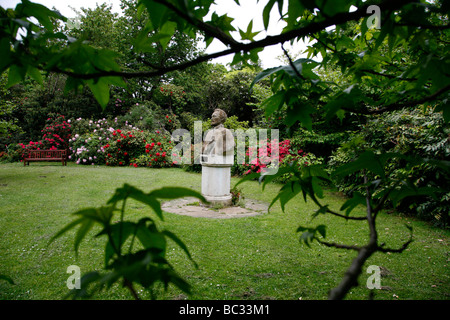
[244,258]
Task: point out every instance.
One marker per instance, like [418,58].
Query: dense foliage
[369,97]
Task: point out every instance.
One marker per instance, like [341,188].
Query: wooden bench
[45,155]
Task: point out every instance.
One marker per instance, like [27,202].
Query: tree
[379,79]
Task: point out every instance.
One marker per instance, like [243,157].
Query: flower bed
[128,146]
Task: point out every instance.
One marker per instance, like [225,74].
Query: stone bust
[219,141]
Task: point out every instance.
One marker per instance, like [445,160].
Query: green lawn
[245,258]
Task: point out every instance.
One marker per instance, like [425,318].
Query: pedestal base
[216,184]
[224,201]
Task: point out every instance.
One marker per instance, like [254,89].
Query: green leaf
[157,12]
[67,228]
[175,192]
[321,210]
[368,160]
[301,113]
[40,12]
[180,243]
[303,66]
[286,193]
[5,53]
[249,34]
[86,225]
[119,233]
[309,234]
[35,74]
[150,237]
[350,204]
[100,90]
[445,108]
[237,58]
[288,169]
[331,8]
[322,230]
[274,102]
[295,11]
[168,29]
[128,191]
[266,13]
[16,74]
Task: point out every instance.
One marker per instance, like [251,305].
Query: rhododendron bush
[261,159]
[55,136]
[101,143]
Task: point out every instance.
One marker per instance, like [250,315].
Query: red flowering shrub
[124,146]
[171,122]
[138,148]
[157,153]
[56,133]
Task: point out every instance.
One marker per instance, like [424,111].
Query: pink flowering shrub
[87,143]
[259,159]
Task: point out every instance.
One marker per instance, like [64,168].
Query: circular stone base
[224,201]
[195,208]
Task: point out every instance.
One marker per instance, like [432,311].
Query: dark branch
[399,250]
[411,103]
[386,75]
[208,29]
[337,245]
[236,47]
[291,63]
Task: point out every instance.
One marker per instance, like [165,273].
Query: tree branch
[399,250]
[350,278]
[311,28]
[291,63]
[397,106]
[205,27]
[389,76]
[337,245]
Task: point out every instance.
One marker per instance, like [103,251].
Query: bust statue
[217,159]
[219,141]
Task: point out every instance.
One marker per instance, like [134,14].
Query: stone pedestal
[216,175]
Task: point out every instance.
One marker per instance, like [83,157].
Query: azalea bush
[56,133]
[259,159]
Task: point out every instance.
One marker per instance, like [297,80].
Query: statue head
[218,117]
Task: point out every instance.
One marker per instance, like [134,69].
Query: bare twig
[291,63]
[399,250]
[338,245]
